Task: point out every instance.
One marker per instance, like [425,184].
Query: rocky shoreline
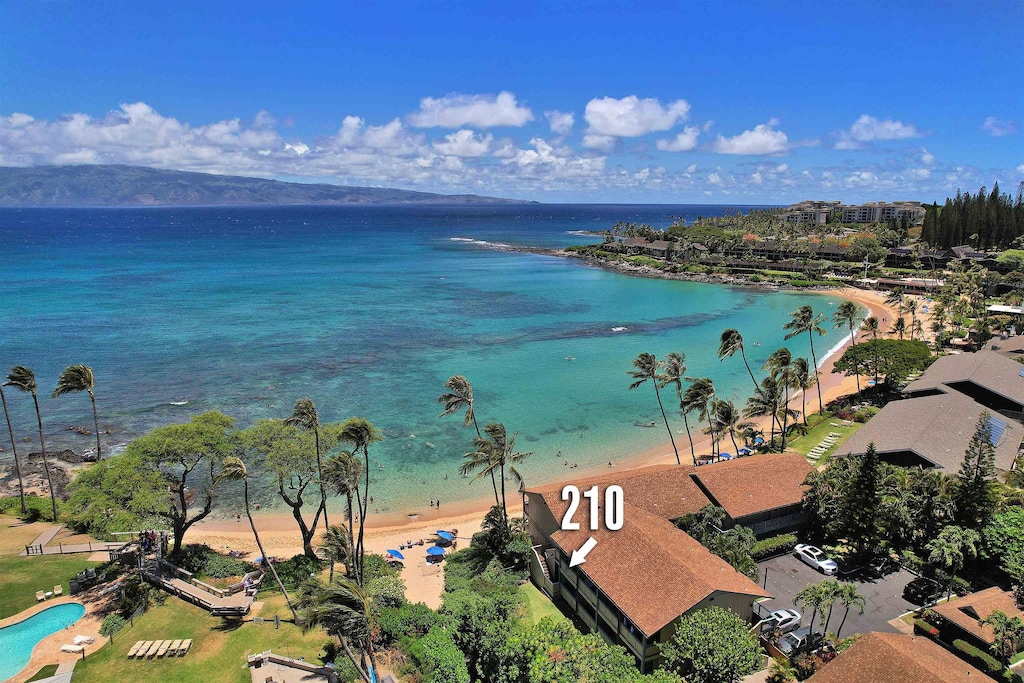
[34,474]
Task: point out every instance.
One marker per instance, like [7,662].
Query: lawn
[219,646]
[537,605]
[821,426]
[45,672]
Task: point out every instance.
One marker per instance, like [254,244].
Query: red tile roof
[652,571]
[897,658]
[968,611]
[746,486]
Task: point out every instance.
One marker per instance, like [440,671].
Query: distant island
[119,185]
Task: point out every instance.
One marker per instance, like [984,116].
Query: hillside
[138,186]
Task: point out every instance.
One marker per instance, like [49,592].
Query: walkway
[45,538]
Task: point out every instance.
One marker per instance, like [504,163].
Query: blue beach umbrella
[758,440]
[436,551]
[743,451]
[396,554]
[445,535]
[725,456]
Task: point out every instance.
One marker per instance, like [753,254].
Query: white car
[785,619]
[816,557]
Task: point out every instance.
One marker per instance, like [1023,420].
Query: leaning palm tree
[360,433]
[342,473]
[846,316]
[459,396]
[780,366]
[674,370]
[727,419]
[698,398]
[804,381]
[342,608]
[493,453]
[77,378]
[765,402]
[234,468]
[304,415]
[871,326]
[23,379]
[804,320]
[647,368]
[14,449]
[849,596]
[732,341]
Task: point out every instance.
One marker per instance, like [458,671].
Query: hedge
[923,628]
[772,546]
[978,657]
[441,659]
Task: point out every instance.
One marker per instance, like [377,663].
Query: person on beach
[438,503]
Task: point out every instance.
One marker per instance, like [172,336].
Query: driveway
[787,576]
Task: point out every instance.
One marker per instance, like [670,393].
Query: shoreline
[278,528]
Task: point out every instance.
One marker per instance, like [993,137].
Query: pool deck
[47,651]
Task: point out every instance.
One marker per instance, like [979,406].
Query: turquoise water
[367,311]
[17,641]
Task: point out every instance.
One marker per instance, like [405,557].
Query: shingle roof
[982,604]
[937,428]
[985,368]
[746,486]
[652,571]
[658,245]
[897,658]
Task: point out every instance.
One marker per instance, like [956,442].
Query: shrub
[439,658]
[387,591]
[297,569]
[911,561]
[221,566]
[410,620]
[755,278]
[923,628]
[376,566]
[977,657]
[773,545]
[111,625]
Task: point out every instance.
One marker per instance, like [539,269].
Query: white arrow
[580,556]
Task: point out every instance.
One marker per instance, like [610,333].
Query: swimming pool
[17,640]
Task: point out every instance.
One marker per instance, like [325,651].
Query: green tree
[712,645]
[974,494]
[493,452]
[780,366]
[804,379]
[731,342]
[458,395]
[848,597]
[112,623]
[698,398]
[818,597]
[804,320]
[14,450]
[23,379]
[673,372]
[1008,632]
[893,359]
[911,308]
[120,492]
[342,473]
[871,326]
[767,401]
[234,468]
[360,433]
[727,420]
[647,367]
[76,378]
[305,416]
[899,327]
[952,548]
[1004,538]
[342,608]
[861,502]
[845,315]
[441,660]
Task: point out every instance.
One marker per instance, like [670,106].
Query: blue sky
[555,101]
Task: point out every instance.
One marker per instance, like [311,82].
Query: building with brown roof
[639,580]
[962,616]
[896,658]
[991,379]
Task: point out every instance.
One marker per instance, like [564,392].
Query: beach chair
[144,649]
[185,645]
[58,590]
[163,648]
[83,640]
[135,648]
[40,596]
[72,649]
[173,650]
[153,650]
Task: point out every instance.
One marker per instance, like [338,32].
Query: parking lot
[787,576]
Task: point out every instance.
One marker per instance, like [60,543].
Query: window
[997,427]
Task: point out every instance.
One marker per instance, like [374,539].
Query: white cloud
[553,162]
[714,179]
[561,122]
[631,116]
[479,111]
[927,158]
[1020,169]
[763,140]
[998,128]
[691,168]
[604,143]
[683,142]
[464,143]
[867,129]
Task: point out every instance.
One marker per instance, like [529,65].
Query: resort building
[991,379]
[639,580]
[819,212]
[896,658]
[961,617]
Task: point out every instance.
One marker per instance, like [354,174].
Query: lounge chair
[185,645]
[173,650]
[72,649]
[40,596]
[144,649]
[58,590]
[153,650]
[163,648]
[135,648]
[83,640]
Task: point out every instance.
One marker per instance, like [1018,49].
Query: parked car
[816,557]
[785,620]
[921,591]
[880,567]
[800,640]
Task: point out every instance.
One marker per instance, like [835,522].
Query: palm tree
[674,370]
[780,366]
[732,341]
[14,449]
[80,378]
[342,608]
[234,468]
[917,329]
[493,452]
[727,418]
[647,367]
[23,379]
[459,396]
[899,327]
[804,320]
[871,326]
[911,308]
[337,542]
[804,381]
[1008,634]
[765,402]
[895,298]
[698,397]
[846,316]
[360,433]
[342,473]
[848,597]
[304,415]
[951,548]
[816,596]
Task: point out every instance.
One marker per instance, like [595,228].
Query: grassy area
[820,428]
[23,576]
[219,647]
[45,672]
[537,605]
[16,534]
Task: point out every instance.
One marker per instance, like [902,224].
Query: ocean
[366,310]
